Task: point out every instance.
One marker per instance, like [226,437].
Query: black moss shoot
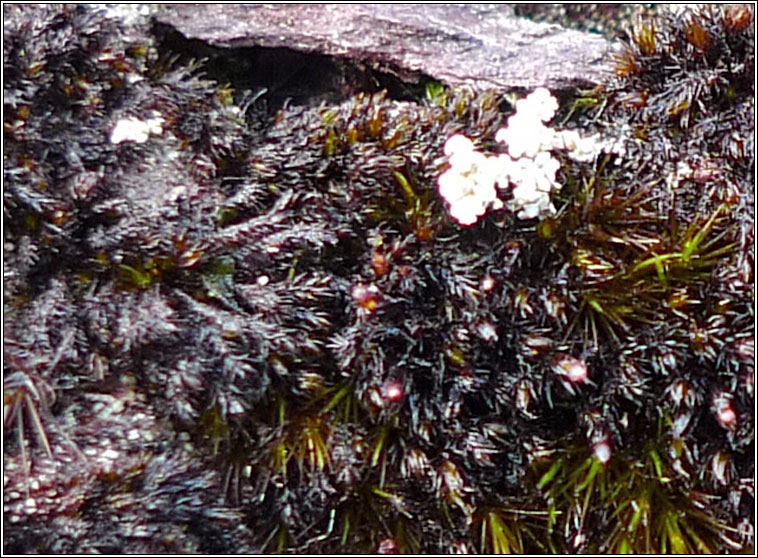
[262,332]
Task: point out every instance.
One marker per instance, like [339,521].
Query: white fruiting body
[528,169]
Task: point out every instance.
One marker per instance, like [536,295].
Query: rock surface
[484,46]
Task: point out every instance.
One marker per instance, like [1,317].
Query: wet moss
[271,337]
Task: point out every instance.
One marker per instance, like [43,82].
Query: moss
[271,337]
[635,504]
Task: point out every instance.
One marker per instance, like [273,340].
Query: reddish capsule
[572,369]
[383,396]
[487,283]
[393,391]
[601,448]
[722,408]
[387,546]
[366,296]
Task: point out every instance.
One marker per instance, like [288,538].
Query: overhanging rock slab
[484,46]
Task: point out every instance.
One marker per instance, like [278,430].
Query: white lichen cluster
[528,169]
[469,184]
[136,130]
